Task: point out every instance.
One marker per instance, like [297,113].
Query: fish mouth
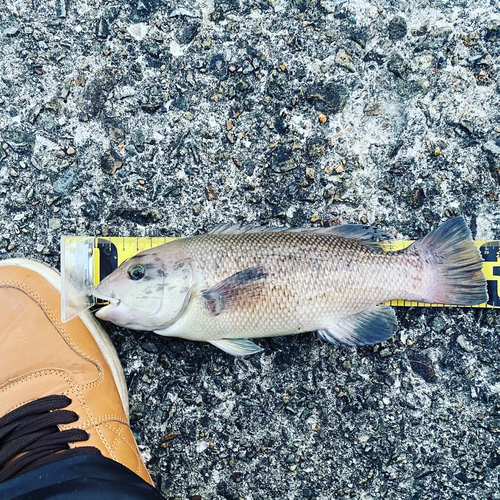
[113,301]
[107,309]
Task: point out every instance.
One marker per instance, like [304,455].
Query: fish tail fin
[453,265]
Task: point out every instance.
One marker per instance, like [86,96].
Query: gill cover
[149,291]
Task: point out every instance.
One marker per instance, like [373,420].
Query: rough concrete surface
[159,117]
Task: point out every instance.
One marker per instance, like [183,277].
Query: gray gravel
[211,111]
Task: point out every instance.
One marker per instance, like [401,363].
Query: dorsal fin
[359,232]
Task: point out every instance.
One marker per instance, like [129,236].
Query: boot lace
[30,436]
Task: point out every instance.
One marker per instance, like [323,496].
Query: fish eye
[136,272]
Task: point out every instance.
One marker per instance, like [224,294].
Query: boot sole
[96,330]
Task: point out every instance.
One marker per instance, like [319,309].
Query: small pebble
[11,31]
[138,31]
[372,109]
[211,193]
[54,224]
[148,346]
[344,59]
[116,134]
[310,172]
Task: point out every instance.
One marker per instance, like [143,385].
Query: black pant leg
[85,477]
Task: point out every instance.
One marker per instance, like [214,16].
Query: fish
[234,283]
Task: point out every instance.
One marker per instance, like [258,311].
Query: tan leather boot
[40,357]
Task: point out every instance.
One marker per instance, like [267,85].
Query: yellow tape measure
[109,253]
[85,261]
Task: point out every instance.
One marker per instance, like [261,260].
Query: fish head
[149,291]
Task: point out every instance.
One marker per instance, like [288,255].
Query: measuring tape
[85,261]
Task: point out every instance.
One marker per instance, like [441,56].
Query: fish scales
[313,280]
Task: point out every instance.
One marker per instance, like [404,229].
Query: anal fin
[365,328]
[236,347]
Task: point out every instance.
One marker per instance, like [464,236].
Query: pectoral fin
[365,328]
[236,347]
[221,296]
